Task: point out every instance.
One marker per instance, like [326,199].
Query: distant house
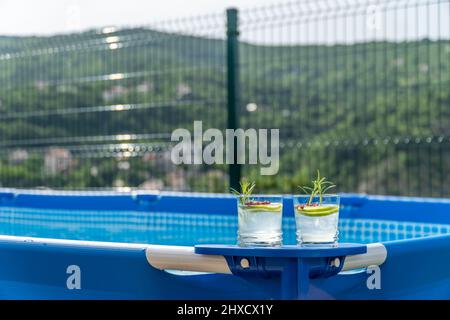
[40,85]
[161,160]
[424,67]
[114,93]
[216,174]
[94,171]
[18,156]
[149,157]
[123,165]
[399,62]
[176,180]
[152,184]
[183,91]
[57,160]
[144,87]
[119,183]
[67,89]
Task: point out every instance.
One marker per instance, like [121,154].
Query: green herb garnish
[319,188]
[246,191]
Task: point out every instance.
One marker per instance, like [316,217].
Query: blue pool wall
[426,210]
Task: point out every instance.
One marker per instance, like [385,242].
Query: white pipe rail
[375,256]
[184,259]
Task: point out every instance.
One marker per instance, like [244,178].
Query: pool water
[182,229]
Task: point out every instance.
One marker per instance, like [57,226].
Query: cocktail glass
[317,219]
[259,221]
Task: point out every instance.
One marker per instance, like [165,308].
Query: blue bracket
[293,265]
[146,200]
[7,196]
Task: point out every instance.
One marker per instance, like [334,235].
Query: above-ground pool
[108,245]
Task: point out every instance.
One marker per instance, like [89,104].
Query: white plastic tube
[376,255]
[185,259]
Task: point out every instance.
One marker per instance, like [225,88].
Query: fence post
[233,88]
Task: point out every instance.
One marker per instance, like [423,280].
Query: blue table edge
[287,251]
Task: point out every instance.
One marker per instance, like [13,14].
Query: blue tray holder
[293,265]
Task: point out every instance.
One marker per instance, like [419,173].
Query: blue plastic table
[294,265]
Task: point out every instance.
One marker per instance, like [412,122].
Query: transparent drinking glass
[259,221]
[317,219]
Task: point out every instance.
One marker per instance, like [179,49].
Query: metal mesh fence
[97,109]
[358,89]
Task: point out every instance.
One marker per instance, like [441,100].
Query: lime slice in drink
[272,207]
[317,211]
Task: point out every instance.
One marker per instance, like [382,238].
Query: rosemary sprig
[319,187]
[246,191]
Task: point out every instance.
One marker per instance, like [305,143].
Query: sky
[47,17]
[44,17]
